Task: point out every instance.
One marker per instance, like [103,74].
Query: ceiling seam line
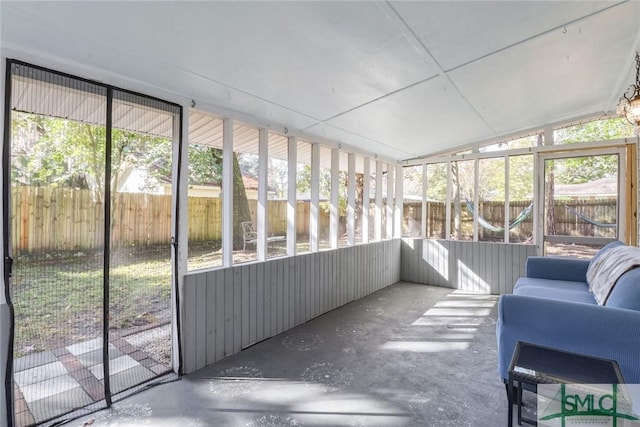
[378,98]
[535,36]
[443,73]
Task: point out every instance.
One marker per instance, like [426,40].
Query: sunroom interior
[191,187]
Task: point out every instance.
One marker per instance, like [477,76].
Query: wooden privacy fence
[48,219]
[567,222]
[65,219]
[205,218]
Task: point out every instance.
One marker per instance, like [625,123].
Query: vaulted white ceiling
[398,79]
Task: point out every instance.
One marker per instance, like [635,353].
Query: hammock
[589,220]
[486,224]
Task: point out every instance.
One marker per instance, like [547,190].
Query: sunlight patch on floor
[425,346]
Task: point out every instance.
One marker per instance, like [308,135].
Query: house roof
[250,182]
[604,187]
[394,79]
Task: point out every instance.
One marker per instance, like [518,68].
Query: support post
[335,181]
[366,189]
[378,217]
[263,186]
[447,226]
[315,198]
[398,216]
[227,192]
[389,208]
[423,214]
[351,200]
[507,200]
[476,198]
[292,195]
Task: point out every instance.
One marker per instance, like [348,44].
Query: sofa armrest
[556,268]
[605,332]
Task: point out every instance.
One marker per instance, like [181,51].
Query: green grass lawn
[59,301]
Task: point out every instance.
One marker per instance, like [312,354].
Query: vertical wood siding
[471,266]
[229,309]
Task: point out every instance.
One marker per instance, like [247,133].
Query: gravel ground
[155,342]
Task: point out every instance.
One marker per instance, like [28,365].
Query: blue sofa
[552,306]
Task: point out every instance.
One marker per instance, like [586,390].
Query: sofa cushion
[626,292]
[557,268]
[554,289]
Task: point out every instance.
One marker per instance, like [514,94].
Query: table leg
[509,386]
[519,399]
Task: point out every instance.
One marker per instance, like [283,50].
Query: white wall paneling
[470,266]
[228,309]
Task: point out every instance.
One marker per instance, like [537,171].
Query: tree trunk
[241,211]
[550,214]
[359,209]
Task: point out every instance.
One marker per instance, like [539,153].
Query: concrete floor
[54,382]
[409,355]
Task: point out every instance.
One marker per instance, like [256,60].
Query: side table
[533,364]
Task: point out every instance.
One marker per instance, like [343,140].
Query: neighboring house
[139,181]
[604,187]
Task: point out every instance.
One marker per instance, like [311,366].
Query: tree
[241,211]
[205,168]
[578,170]
[437,181]
[359,208]
[49,151]
[550,198]
[205,165]
[304,185]
[596,130]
